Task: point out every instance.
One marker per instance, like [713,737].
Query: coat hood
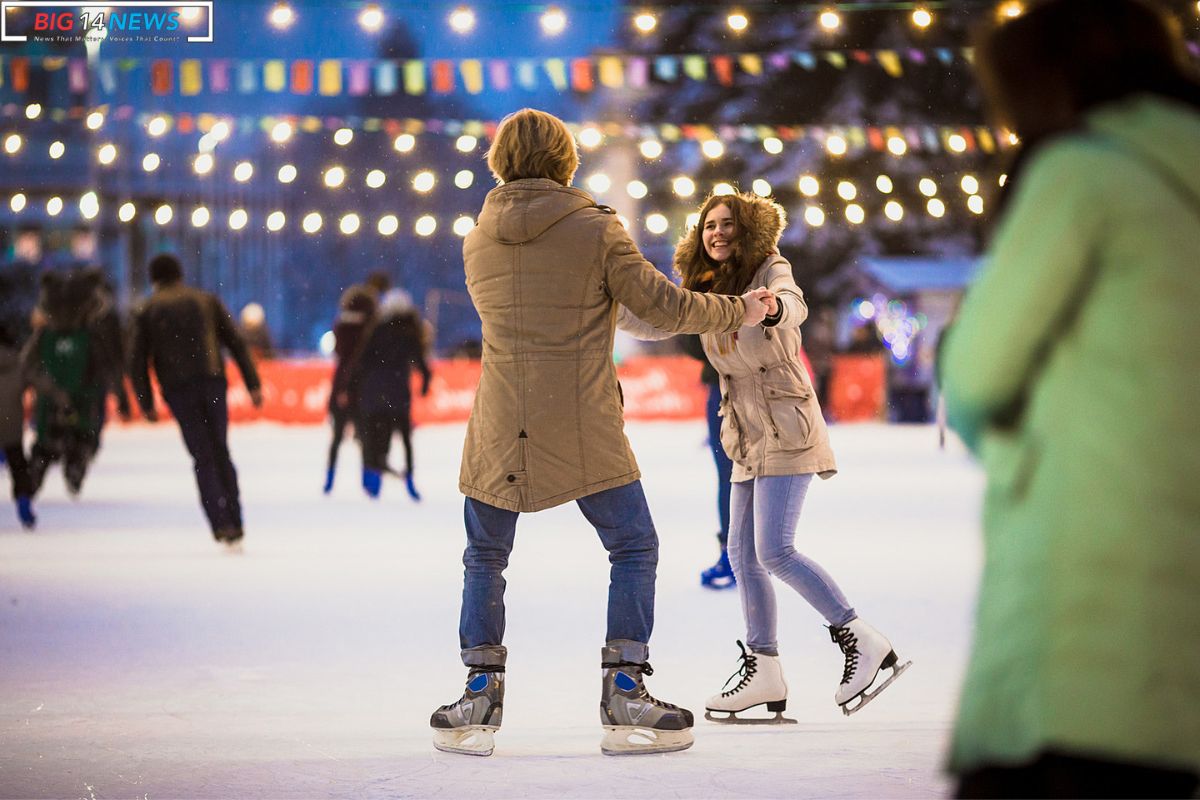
[764,226]
[520,211]
[1161,130]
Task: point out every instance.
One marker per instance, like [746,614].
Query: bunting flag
[334,77]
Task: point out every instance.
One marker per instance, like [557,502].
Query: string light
[107,154]
[343,136]
[772,145]
[17,203]
[287,173]
[893,211]
[737,22]
[203,164]
[712,148]
[464,178]
[956,143]
[969,184]
[692,220]
[1010,9]
[975,204]
[57,149]
[598,182]
[808,185]
[276,220]
[645,22]
[243,172]
[335,177]
[922,18]
[200,217]
[814,216]
[884,184]
[466,143]
[190,14]
[89,205]
[637,190]
[150,162]
[836,145]
[12,144]
[281,132]
[281,16]
[157,126]
[220,131]
[830,20]
[163,214]
[33,111]
[424,181]
[404,143]
[349,224]
[371,18]
[724,190]
[312,222]
[855,214]
[388,225]
[657,224]
[463,225]
[590,138]
[761,188]
[54,206]
[846,190]
[554,22]
[425,226]
[376,178]
[462,20]
[126,212]
[238,219]
[95,121]
[936,208]
[927,187]
[897,146]
[683,186]
[651,149]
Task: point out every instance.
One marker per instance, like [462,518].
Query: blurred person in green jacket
[1072,373]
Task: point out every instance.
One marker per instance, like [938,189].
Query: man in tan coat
[548,270]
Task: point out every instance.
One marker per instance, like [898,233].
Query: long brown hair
[699,272]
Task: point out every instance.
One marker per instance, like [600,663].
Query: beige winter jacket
[546,268]
[772,423]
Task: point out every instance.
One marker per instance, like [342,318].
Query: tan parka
[772,423]
[546,269]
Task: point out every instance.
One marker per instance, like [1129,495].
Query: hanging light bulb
[107,154]
[773,145]
[238,219]
[463,225]
[814,216]
[370,19]
[657,224]
[808,185]
[846,190]
[200,217]
[651,149]
[893,211]
[343,136]
[830,20]
[554,22]
[388,225]
[636,189]
[163,214]
[683,186]
[376,178]
[466,143]
[645,22]
[150,162]
[761,188]
[281,132]
[276,220]
[884,184]
[922,18]
[897,146]
[590,138]
[57,149]
[464,178]
[424,181]
[95,120]
[282,16]
[157,126]
[54,206]
[287,173]
[712,148]
[243,172]
[404,143]
[311,222]
[462,20]
[349,224]
[737,22]
[126,212]
[836,145]
[335,177]
[425,226]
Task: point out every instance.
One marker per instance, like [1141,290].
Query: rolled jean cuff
[625,650]
[486,655]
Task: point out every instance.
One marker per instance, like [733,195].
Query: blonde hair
[533,144]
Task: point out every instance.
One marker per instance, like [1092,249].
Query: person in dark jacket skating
[183,330]
[13,382]
[380,380]
[356,312]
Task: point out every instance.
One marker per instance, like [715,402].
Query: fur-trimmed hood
[764,222]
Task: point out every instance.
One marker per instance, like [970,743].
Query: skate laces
[643,669]
[848,642]
[746,670]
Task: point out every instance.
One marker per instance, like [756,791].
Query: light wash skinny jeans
[763,514]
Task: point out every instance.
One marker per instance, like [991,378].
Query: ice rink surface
[139,660]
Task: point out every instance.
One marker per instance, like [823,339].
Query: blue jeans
[765,512]
[621,518]
[720,458]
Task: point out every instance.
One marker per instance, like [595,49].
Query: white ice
[139,660]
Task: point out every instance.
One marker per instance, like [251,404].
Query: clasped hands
[760,304]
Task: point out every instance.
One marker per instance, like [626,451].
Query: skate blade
[630,740]
[865,697]
[719,584]
[234,548]
[734,719]
[473,740]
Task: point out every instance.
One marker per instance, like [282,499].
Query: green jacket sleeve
[1032,276]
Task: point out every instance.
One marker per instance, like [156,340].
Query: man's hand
[756,301]
[256,397]
[150,415]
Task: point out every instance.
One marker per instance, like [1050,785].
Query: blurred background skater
[356,311]
[256,334]
[69,363]
[105,321]
[719,575]
[1072,372]
[381,384]
[13,384]
[183,332]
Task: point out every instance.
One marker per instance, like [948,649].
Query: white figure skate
[867,651]
[761,683]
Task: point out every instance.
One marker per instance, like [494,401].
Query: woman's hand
[772,304]
[756,301]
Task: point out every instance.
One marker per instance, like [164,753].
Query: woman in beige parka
[773,430]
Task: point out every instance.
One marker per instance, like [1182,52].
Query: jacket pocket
[731,434]
[791,427]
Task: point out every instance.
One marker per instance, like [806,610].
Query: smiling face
[718,233]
